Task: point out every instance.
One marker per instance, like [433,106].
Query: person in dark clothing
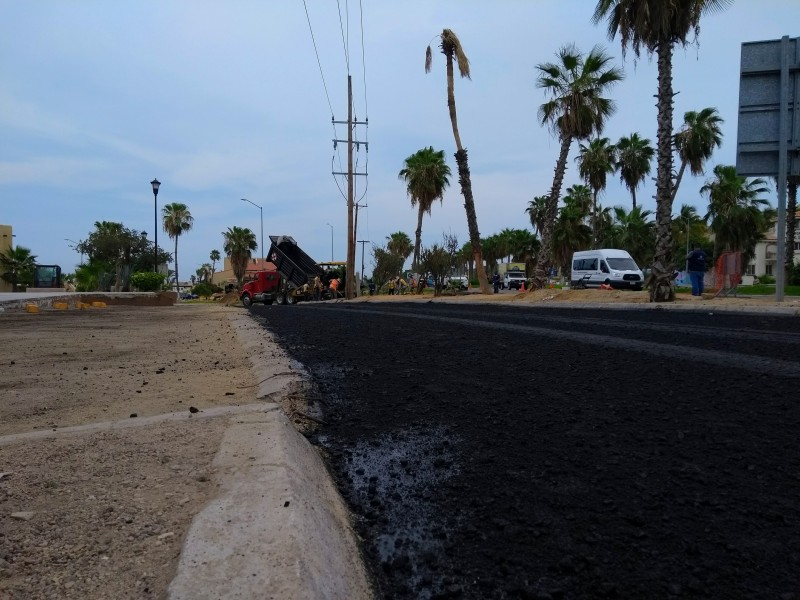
[496,282]
[696,265]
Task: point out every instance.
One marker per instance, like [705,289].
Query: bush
[766,279]
[793,278]
[205,289]
[147,281]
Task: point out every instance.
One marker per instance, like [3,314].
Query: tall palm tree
[451,48]
[16,266]
[695,142]
[426,176]
[537,212]
[634,158]
[214,256]
[735,209]
[595,161]
[177,220]
[576,110]
[657,26]
[579,196]
[238,244]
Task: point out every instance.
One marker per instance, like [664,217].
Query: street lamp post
[331,226]
[262,228]
[155,183]
[76,247]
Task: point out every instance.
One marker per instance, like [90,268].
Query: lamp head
[155,183]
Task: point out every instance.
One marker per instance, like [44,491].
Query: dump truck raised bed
[297,270]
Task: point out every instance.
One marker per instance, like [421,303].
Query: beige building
[6,244]
[766,253]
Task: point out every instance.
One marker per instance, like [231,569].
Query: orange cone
[522,288]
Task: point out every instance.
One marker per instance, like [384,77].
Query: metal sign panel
[769,102]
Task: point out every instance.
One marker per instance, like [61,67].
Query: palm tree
[596,160]
[634,158]
[399,244]
[214,256]
[579,196]
[426,176]
[576,110]
[177,220]
[537,211]
[695,142]
[657,26]
[735,211]
[570,234]
[791,218]
[451,48]
[16,266]
[634,232]
[238,244]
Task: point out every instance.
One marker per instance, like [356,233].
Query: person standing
[496,282]
[696,266]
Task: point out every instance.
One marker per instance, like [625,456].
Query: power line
[345,44]
[313,41]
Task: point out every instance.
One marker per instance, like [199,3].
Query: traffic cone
[522,287]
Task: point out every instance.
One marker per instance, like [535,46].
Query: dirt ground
[102,513]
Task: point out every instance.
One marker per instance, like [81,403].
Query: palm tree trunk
[791,221]
[633,197]
[677,181]
[662,286]
[594,218]
[466,182]
[177,281]
[418,240]
[472,219]
[545,255]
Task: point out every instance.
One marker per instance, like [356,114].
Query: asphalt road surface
[497,452]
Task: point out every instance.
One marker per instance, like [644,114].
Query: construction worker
[333,286]
[317,288]
[391,286]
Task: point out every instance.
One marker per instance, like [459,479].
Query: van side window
[592,265]
[576,264]
[603,266]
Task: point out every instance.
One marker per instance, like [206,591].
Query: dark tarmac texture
[489,452]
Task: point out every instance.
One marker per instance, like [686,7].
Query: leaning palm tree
[595,161]
[657,26]
[177,220]
[695,142]
[16,266]
[451,48]
[426,176]
[634,158]
[736,211]
[238,244]
[214,256]
[576,110]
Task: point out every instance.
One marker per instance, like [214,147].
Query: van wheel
[247,301]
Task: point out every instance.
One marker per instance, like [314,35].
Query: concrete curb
[278,528]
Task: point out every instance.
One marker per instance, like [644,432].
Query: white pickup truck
[513,279]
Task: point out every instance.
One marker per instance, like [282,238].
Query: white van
[612,267]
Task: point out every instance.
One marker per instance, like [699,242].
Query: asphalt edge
[278,527]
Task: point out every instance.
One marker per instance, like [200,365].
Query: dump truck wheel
[247,300]
[280,298]
[290,299]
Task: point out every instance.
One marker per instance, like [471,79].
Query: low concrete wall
[46,299]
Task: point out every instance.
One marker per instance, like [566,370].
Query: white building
[766,258]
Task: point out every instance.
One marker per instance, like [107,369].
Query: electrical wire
[313,41]
[345,43]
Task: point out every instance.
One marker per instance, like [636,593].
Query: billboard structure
[768,141]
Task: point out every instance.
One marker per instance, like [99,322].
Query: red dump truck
[292,280]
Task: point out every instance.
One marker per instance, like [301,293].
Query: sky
[228,100]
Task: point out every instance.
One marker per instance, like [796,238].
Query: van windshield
[622,264]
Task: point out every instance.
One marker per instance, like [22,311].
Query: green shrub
[205,289]
[794,275]
[766,279]
[147,282]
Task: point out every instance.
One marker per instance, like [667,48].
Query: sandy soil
[102,514]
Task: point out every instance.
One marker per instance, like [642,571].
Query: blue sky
[223,101]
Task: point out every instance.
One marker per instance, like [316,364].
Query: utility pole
[351,246]
[362,242]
